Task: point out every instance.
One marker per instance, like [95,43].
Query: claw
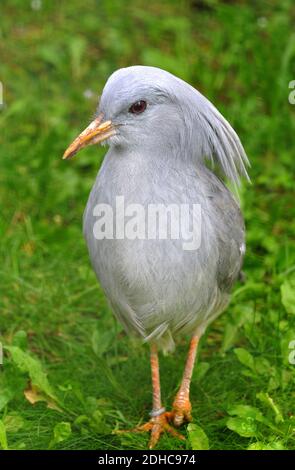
[157,426]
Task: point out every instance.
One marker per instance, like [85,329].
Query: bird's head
[146,107]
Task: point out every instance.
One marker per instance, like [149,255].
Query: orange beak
[96,132]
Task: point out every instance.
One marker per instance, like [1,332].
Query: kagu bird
[160,132]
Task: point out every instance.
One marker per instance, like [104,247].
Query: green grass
[241,55]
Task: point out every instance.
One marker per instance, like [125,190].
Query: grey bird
[164,139]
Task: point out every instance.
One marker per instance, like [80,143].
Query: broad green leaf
[288,295]
[3,438]
[245,358]
[197,437]
[245,427]
[26,363]
[61,432]
[230,333]
[245,411]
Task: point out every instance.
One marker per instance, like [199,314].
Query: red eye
[138,107]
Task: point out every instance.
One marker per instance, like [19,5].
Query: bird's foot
[181,410]
[157,425]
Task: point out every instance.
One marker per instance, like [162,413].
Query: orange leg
[155,369]
[182,407]
[159,421]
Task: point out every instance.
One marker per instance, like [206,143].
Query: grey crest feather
[212,135]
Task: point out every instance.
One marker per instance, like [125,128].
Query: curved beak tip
[68,154]
[96,132]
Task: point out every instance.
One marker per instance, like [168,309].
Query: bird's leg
[155,370]
[159,421]
[182,407]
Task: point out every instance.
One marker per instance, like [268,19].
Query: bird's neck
[141,176]
[137,166]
